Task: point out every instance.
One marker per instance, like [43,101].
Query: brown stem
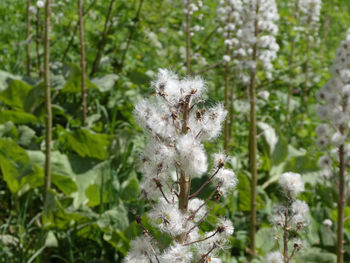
[101,44]
[28,37]
[208,68]
[253,145]
[341,205]
[217,198]
[37,41]
[291,86]
[206,182]
[206,255]
[188,38]
[227,80]
[47,103]
[139,221]
[71,40]
[205,202]
[203,239]
[232,100]
[132,31]
[82,62]
[285,230]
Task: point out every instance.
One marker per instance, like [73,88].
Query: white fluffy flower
[338,139]
[141,251]
[328,222]
[226,179]
[225,228]
[177,254]
[167,217]
[191,155]
[292,183]
[324,162]
[300,212]
[194,208]
[274,257]
[40,4]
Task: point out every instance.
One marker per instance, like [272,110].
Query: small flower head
[327,222]
[292,183]
[274,257]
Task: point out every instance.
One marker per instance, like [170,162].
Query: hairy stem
[37,41]
[82,62]
[253,145]
[131,34]
[28,38]
[285,230]
[188,38]
[101,44]
[341,204]
[47,103]
[232,99]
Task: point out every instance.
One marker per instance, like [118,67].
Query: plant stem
[285,230]
[188,38]
[232,99]
[253,145]
[341,203]
[227,80]
[47,102]
[291,62]
[28,37]
[70,42]
[101,44]
[185,179]
[82,62]
[37,41]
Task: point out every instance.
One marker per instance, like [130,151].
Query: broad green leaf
[244,193]
[15,164]
[131,190]
[315,255]
[264,239]
[17,117]
[51,240]
[8,129]
[16,94]
[138,77]
[73,83]
[114,219]
[25,135]
[87,143]
[105,83]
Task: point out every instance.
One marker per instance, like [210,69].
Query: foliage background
[96,184]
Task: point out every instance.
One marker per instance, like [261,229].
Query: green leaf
[15,164]
[16,94]
[105,83]
[244,199]
[87,143]
[51,240]
[264,239]
[114,219]
[25,135]
[17,117]
[301,164]
[73,84]
[130,190]
[316,255]
[138,77]
[8,129]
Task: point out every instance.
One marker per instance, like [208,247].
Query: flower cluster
[291,217]
[177,125]
[229,13]
[334,110]
[310,12]
[258,33]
